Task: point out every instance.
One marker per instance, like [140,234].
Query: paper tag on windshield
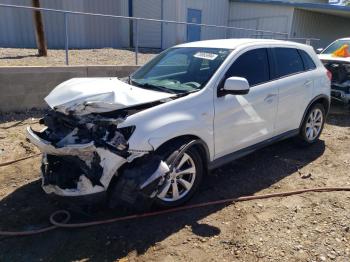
[204,55]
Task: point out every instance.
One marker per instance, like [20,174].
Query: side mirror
[319,50]
[235,86]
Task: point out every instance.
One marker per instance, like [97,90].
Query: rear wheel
[183,180]
[312,126]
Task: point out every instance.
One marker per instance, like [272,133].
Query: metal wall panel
[316,25]
[94,32]
[101,31]
[213,12]
[16,26]
[149,32]
[17,30]
[305,1]
[54,24]
[124,24]
[260,17]
[171,34]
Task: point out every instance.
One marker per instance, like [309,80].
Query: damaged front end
[340,85]
[81,155]
[84,146]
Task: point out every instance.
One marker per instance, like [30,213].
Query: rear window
[307,60]
[288,61]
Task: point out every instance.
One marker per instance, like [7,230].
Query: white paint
[242,120]
[110,163]
[100,94]
[84,187]
[233,43]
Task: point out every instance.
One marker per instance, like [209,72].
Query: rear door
[295,85]
[244,120]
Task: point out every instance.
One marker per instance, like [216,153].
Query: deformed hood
[82,96]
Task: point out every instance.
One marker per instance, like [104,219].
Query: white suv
[194,107]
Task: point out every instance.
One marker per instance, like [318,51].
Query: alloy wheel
[314,124]
[180,181]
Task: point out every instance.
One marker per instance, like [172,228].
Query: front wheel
[183,180]
[312,126]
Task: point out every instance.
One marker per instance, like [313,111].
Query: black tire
[193,153]
[304,138]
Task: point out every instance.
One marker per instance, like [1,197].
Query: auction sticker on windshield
[205,55]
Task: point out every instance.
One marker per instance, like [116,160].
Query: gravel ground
[308,227]
[104,56]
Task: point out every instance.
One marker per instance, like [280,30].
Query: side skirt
[246,151]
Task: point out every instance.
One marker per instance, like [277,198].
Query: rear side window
[252,65]
[288,62]
[308,62]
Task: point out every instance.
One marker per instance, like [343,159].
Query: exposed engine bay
[340,85]
[82,154]
[83,149]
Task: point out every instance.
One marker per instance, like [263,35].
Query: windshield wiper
[154,87]
[187,93]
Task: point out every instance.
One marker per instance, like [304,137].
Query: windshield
[335,46]
[180,70]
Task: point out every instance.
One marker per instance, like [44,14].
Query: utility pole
[131,23]
[39,30]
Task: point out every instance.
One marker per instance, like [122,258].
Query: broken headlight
[112,137]
[127,131]
[119,138]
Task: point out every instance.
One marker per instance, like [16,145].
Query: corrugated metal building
[153,34]
[16,26]
[298,19]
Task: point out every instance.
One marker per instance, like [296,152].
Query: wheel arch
[321,99]
[201,146]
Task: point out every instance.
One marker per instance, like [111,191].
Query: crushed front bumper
[77,169]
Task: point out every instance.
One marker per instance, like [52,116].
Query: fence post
[66,36]
[136,41]
[308,41]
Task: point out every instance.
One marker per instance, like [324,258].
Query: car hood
[330,57]
[81,96]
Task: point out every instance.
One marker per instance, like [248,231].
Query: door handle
[269,98]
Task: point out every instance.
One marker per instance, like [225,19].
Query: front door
[194,31]
[244,120]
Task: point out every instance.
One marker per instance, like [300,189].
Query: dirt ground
[102,56]
[308,227]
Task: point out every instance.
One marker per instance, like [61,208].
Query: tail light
[329,74]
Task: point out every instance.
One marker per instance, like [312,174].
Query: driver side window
[252,65]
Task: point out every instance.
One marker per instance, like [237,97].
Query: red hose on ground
[64,223]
